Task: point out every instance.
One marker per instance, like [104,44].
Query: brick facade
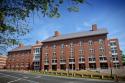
[3,62]
[95,56]
[20,59]
[90,50]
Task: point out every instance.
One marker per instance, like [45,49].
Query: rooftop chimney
[94,27]
[57,33]
[38,42]
[21,45]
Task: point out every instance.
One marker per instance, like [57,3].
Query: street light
[110,58]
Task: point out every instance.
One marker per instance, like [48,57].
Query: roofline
[73,38]
[18,50]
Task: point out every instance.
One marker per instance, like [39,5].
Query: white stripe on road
[14,80]
[19,78]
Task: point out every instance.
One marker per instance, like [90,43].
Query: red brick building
[88,50]
[20,58]
[78,51]
[3,62]
[115,53]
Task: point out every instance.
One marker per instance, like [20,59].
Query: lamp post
[110,65]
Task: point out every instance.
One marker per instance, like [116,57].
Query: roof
[77,35]
[22,48]
[3,56]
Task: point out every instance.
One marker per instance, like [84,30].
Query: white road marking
[38,77]
[14,80]
[25,77]
[19,78]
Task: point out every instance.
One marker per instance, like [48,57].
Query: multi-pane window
[37,53]
[71,44]
[53,46]
[54,55]
[71,53]
[37,50]
[92,58]
[71,60]
[101,42]
[113,43]
[90,42]
[80,43]
[92,66]
[91,50]
[62,46]
[46,59]
[46,48]
[114,50]
[54,58]
[102,58]
[116,65]
[81,51]
[62,57]
[81,59]
[103,65]
[101,49]
[115,58]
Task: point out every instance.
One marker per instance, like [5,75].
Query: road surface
[18,77]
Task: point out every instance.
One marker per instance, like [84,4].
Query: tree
[13,14]
[123,59]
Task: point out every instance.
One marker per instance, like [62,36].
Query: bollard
[102,77]
[116,78]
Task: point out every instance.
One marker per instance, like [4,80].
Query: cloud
[87,24]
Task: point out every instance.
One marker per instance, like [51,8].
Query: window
[92,58]
[46,48]
[54,55]
[104,65]
[114,50]
[71,44]
[46,60]
[71,53]
[37,57]
[116,65]
[81,59]
[53,46]
[81,51]
[115,58]
[102,58]
[101,49]
[90,42]
[54,60]
[80,43]
[91,50]
[101,41]
[113,43]
[62,59]
[92,66]
[71,60]
[37,50]
[62,46]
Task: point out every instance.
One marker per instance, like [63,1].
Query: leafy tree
[13,14]
[123,59]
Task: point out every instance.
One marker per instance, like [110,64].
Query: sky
[108,14]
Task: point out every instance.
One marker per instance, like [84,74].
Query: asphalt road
[17,77]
